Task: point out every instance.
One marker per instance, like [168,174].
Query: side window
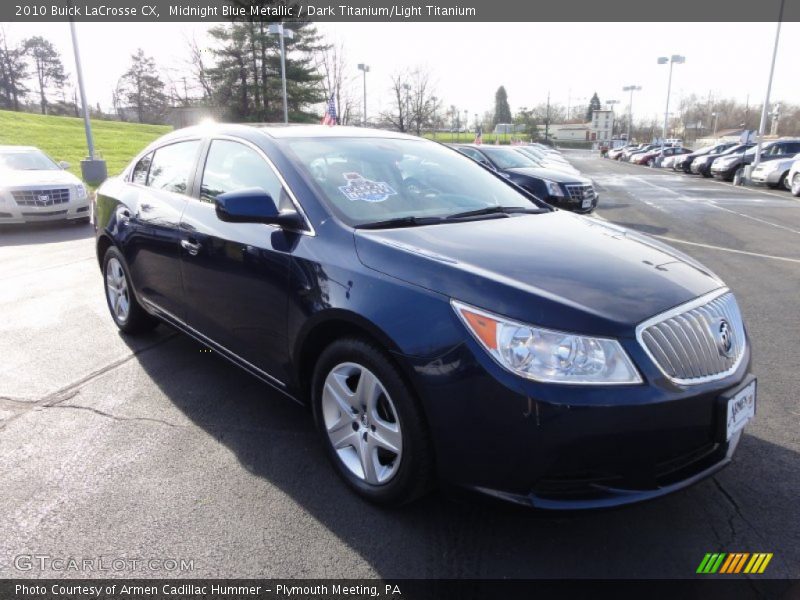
[475,155]
[232,166]
[172,167]
[139,174]
[792,148]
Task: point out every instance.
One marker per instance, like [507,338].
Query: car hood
[18,178]
[551,174]
[555,269]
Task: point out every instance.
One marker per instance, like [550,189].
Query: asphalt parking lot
[155,448]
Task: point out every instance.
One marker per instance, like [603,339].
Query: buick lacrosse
[443,324]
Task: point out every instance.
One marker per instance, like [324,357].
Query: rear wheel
[796,184]
[780,184]
[126,311]
[370,423]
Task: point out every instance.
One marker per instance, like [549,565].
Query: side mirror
[254,205]
[63,165]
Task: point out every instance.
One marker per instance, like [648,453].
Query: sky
[469,61]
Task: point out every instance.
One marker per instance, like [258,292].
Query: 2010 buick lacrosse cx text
[443,324]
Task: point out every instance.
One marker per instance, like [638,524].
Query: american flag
[330,113]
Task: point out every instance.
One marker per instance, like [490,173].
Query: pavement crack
[108,415]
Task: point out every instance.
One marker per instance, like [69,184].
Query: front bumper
[12,213]
[725,173]
[772,177]
[573,447]
[573,205]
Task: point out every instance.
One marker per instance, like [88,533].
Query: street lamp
[765,107]
[407,87]
[93,170]
[631,89]
[466,121]
[365,69]
[280,30]
[716,118]
[672,60]
[434,100]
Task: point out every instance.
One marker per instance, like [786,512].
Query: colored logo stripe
[734,562]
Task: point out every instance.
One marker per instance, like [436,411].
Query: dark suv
[727,167]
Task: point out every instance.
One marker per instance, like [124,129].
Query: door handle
[191,247]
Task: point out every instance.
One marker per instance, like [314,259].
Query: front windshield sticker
[360,188]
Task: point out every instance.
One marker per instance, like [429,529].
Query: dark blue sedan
[443,324]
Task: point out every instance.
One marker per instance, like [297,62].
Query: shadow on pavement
[44,233]
[748,507]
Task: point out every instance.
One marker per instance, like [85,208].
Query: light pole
[92,169]
[765,107]
[434,100]
[716,118]
[282,32]
[466,123]
[672,60]
[631,89]
[365,69]
[407,87]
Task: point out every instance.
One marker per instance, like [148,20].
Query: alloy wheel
[362,423]
[117,290]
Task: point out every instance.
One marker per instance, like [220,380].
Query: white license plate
[587,202]
[741,408]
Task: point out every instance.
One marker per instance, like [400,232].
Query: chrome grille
[579,191]
[688,343]
[41,197]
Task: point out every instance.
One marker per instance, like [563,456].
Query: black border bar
[366,11]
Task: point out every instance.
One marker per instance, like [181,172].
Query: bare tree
[336,80]
[199,69]
[412,100]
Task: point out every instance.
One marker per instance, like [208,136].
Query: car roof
[17,148]
[281,131]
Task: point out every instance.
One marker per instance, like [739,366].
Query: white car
[774,173]
[33,188]
[793,178]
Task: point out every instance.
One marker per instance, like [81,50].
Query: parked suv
[702,164]
[684,163]
[726,168]
[774,173]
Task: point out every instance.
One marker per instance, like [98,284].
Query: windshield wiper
[491,210]
[400,222]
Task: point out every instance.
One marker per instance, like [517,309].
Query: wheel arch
[104,242]
[329,326]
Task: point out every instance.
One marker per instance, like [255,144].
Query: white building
[602,125]
[562,132]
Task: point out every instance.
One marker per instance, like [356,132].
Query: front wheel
[796,184]
[370,423]
[738,177]
[651,163]
[126,311]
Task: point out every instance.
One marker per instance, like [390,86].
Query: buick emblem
[724,335]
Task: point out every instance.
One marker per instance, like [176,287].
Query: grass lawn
[467,138]
[63,138]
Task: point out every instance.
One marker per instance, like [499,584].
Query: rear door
[235,275]
[152,248]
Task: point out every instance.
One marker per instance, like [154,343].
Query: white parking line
[708,246]
[723,249]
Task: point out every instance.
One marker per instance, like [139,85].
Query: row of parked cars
[778,168]
[539,169]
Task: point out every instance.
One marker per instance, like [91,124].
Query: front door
[235,275]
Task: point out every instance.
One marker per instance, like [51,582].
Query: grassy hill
[63,138]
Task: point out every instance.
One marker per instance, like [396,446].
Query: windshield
[534,158]
[371,180]
[507,158]
[26,160]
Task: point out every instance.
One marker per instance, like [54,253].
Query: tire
[796,185]
[779,185]
[651,163]
[378,443]
[125,310]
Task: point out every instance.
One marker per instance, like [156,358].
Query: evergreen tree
[48,68]
[502,111]
[247,75]
[594,104]
[141,89]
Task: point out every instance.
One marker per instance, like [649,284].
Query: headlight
[80,192]
[553,189]
[548,356]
